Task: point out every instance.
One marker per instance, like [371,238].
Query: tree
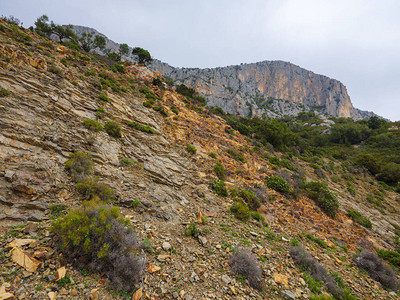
[143,55]
[42,27]
[88,43]
[63,32]
[123,49]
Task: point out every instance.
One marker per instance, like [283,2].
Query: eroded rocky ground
[53,92]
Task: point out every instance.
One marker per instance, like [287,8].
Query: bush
[358,218]
[100,113]
[212,155]
[104,98]
[378,269]
[257,216]
[236,155]
[161,109]
[278,184]
[390,173]
[219,188]
[325,199]
[240,211]
[220,171]
[250,198]
[191,230]
[95,237]
[118,68]
[143,55]
[92,188]
[307,263]
[79,166]
[4,92]
[191,149]
[113,129]
[140,127]
[92,125]
[391,256]
[245,264]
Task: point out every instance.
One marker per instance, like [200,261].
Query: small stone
[153,268]
[280,278]
[3,293]
[52,295]
[20,242]
[166,246]
[288,294]
[218,246]
[232,288]
[182,293]
[74,292]
[60,273]
[94,295]
[52,277]
[138,294]
[254,233]
[226,279]
[202,240]
[162,257]
[285,239]
[175,295]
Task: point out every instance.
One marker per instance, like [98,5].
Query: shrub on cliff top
[96,237]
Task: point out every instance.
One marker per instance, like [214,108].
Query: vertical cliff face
[270,87]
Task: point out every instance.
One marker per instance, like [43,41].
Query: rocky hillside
[162,170]
[273,88]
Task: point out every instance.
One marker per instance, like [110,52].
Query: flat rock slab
[23,259]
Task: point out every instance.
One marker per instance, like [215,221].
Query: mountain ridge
[285,96]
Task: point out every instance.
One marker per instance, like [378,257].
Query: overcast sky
[354,41]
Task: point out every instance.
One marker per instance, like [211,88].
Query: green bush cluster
[91,188]
[100,112]
[191,149]
[219,187]
[220,171]
[236,155]
[96,237]
[104,98]
[358,218]
[92,125]
[4,92]
[325,199]
[191,230]
[140,127]
[391,256]
[240,210]
[113,129]
[118,68]
[278,184]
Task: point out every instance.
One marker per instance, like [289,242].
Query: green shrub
[212,155]
[79,166]
[161,109]
[278,184]
[95,237]
[257,216]
[104,98]
[92,188]
[358,218]
[129,162]
[191,149]
[250,198]
[140,127]
[316,240]
[147,104]
[4,92]
[390,173]
[100,112]
[92,125]
[135,203]
[220,171]
[118,68]
[191,230]
[236,155]
[391,256]
[219,188]
[325,199]
[113,129]
[57,209]
[240,211]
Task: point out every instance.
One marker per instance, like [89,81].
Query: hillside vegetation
[116,183]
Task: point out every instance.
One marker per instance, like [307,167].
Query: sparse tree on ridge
[88,42]
[123,49]
[143,55]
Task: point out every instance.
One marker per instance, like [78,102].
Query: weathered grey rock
[273,88]
[288,294]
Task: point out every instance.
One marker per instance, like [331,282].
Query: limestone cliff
[270,87]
